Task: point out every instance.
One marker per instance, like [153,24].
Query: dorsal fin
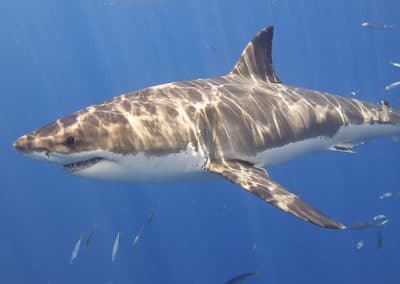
[256,59]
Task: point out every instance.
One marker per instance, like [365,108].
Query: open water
[59,56]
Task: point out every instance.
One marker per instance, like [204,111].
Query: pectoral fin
[257,181]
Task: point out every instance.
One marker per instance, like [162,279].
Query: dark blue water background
[59,56]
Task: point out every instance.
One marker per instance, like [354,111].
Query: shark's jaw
[72,163]
[82,165]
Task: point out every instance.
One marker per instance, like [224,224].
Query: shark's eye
[70,141]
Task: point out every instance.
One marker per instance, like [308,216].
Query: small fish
[115,248]
[395,64]
[354,93]
[138,236]
[376,26]
[379,240]
[379,217]
[386,195]
[90,237]
[389,194]
[393,85]
[242,277]
[360,245]
[75,251]
[380,220]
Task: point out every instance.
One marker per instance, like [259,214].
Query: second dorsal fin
[256,59]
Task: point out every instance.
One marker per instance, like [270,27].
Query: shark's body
[231,126]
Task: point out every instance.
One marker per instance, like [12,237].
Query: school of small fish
[378,26]
[379,220]
[395,84]
[115,249]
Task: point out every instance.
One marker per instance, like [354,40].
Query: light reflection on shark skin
[231,126]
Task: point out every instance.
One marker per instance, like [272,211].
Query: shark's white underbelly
[142,167]
[347,137]
[190,163]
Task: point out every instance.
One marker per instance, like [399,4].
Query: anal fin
[257,181]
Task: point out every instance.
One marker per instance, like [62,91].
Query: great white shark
[234,126]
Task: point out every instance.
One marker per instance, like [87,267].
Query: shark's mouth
[82,165]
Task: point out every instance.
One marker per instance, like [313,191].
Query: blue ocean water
[60,56]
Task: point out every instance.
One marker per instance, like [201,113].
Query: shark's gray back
[227,116]
[243,113]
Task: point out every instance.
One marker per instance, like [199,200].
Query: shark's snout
[28,144]
[32,147]
[23,144]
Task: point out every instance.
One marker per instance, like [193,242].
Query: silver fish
[376,26]
[360,245]
[380,220]
[395,64]
[115,248]
[393,85]
[385,195]
[354,93]
[74,254]
[389,194]
[138,236]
